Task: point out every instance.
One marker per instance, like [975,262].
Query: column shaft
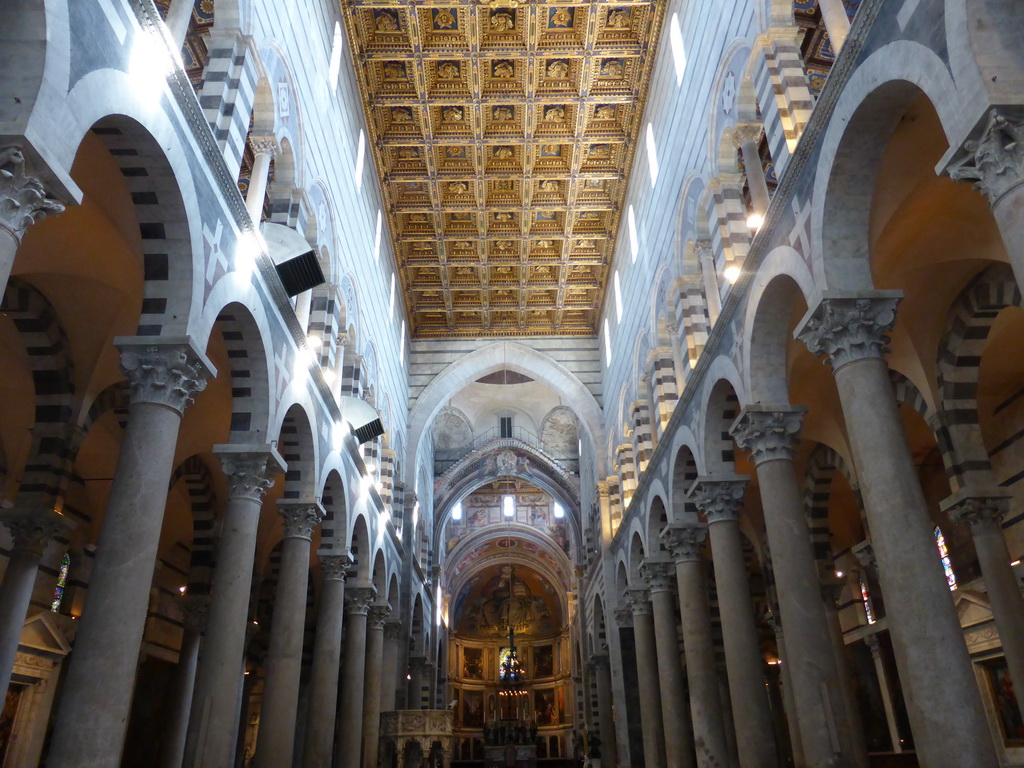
[372,685]
[698,645]
[213,723]
[258,185]
[945,709]
[349,730]
[15,598]
[792,722]
[871,641]
[93,712]
[756,182]
[609,747]
[275,743]
[184,682]
[755,738]
[323,687]
[679,751]
[178,17]
[837,23]
[650,687]
[389,666]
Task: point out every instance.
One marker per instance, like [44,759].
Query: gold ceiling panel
[504,137]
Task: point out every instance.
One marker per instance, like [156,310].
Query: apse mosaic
[508,132]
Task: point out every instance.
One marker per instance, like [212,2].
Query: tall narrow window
[508,506]
[360,159]
[634,238]
[401,345]
[391,301]
[947,564]
[335,66]
[869,611]
[675,37]
[618,297]
[607,344]
[652,155]
[558,511]
[376,237]
[62,581]
[505,425]
[457,511]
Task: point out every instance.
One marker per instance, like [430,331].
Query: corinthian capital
[847,328]
[768,433]
[658,575]
[249,469]
[23,200]
[377,615]
[167,373]
[638,601]
[981,509]
[685,542]
[995,160]
[359,599]
[300,518]
[335,567]
[719,498]
[33,529]
[263,145]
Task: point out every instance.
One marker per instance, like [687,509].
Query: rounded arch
[725,103]
[637,553]
[657,520]
[360,549]
[684,474]
[198,480]
[721,408]
[334,500]
[875,97]
[491,358]
[782,284]
[297,447]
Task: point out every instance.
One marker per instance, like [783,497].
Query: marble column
[389,666]
[194,610]
[709,273]
[323,685]
[871,641]
[23,202]
[275,744]
[831,593]
[769,434]
[348,736]
[339,365]
[792,724]
[647,677]
[995,162]
[984,511]
[680,360]
[720,499]
[659,576]
[213,723]
[606,733]
[837,23]
[945,709]
[31,530]
[686,543]
[376,617]
[747,137]
[93,713]
[415,692]
[263,149]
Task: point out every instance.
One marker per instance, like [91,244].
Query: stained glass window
[869,611]
[62,580]
[947,565]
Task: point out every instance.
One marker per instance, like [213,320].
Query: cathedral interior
[478,383]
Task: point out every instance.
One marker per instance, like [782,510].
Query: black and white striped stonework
[250,392]
[227,94]
[822,465]
[196,476]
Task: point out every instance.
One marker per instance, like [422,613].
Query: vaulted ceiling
[503,135]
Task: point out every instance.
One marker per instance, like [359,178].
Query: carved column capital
[249,470]
[335,567]
[167,373]
[672,328]
[359,599]
[194,609]
[599,661]
[768,433]
[392,630]
[703,249]
[33,529]
[847,328]
[377,615]
[747,132]
[23,200]
[982,509]
[263,145]
[623,617]
[719,498]
[871,641]
[995,160]
[638,601]
[865,555]
[300,518]
[658,575]
[685,542]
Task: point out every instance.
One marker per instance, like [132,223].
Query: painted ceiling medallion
[505,132]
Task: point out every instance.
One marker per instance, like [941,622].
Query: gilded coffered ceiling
[503,135]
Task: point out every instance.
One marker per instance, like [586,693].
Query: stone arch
[417,630]
[725,103]
[781,284]
[684,474]
[493,357]
[721,410]
[334,500]
[196,476]
[657,520]
[113,399]
[969,323]
[298,449]
[560,432]
[689,225]
[637,554]
[54,439]
[621,577]
[876,95]
[822,464]
[249,366]
[165,236]
[380,574]
[361,550]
